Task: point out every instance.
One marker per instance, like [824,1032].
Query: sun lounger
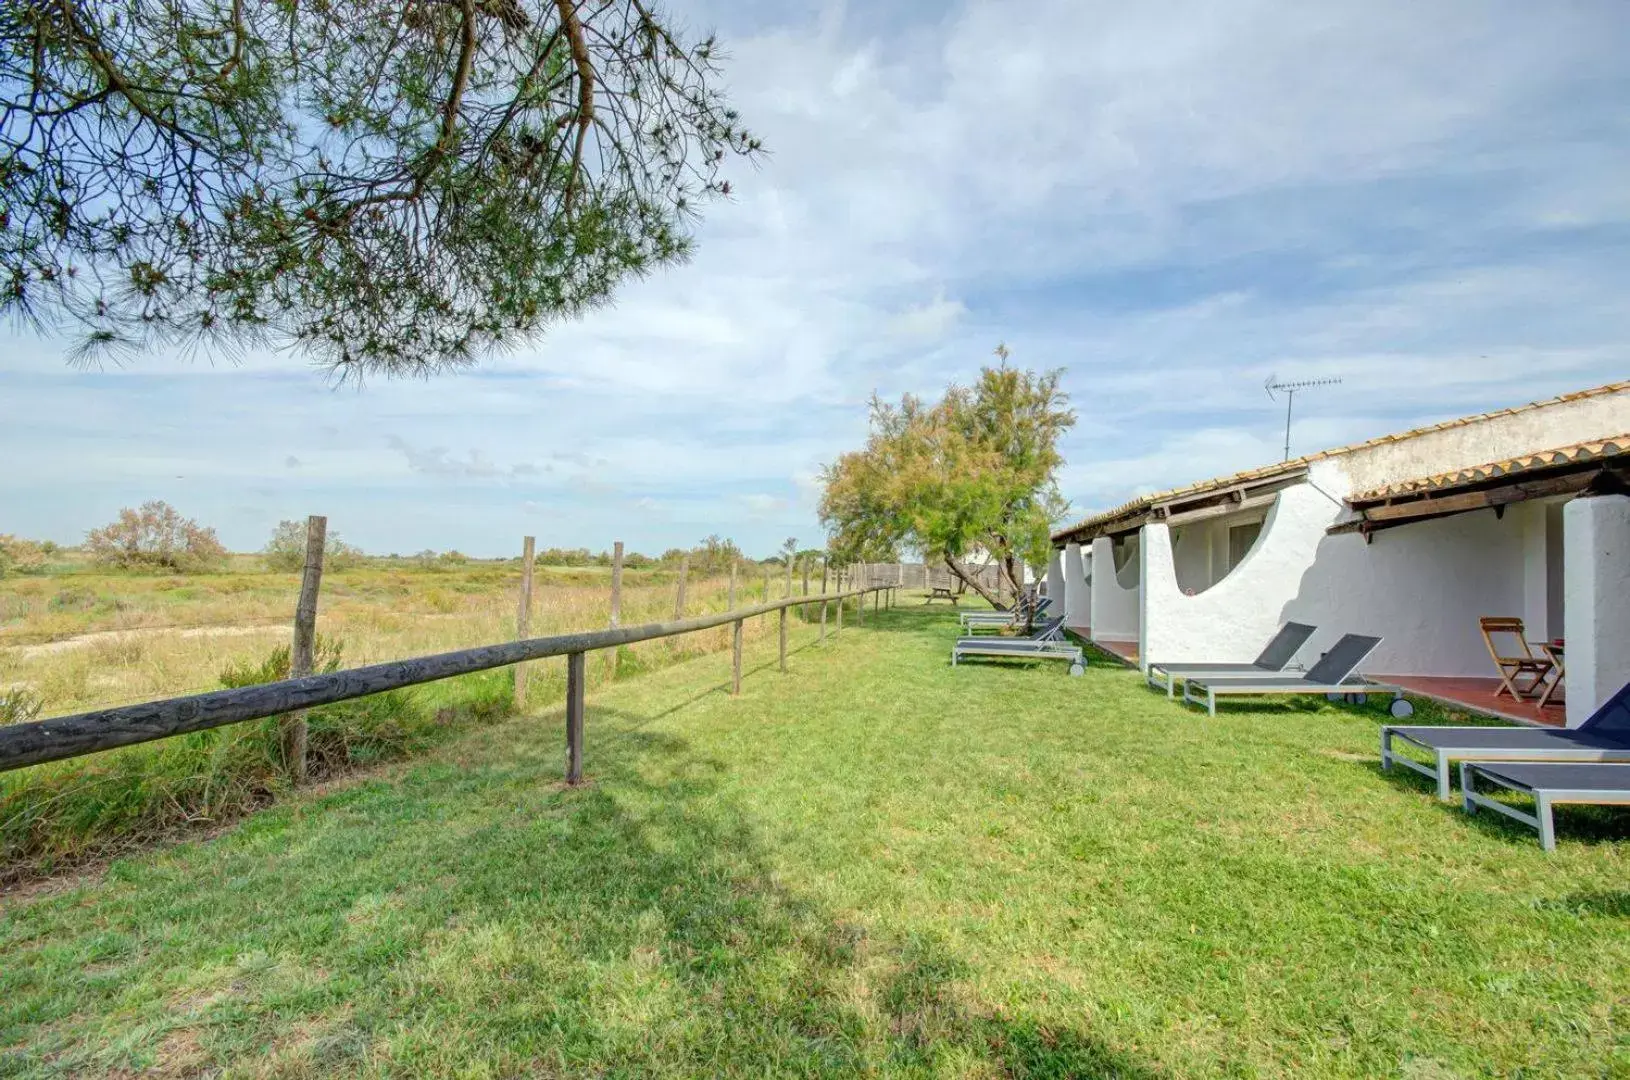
[997,620]
[1273,659]
[1020,649]
[1549,783]
[1605,736]
[1335,676]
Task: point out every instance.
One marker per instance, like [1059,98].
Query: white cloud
[928,322]
[1170,200]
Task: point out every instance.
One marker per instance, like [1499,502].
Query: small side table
[1554,649]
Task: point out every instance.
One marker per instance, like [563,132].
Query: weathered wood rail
[54,739]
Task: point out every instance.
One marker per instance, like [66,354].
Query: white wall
[1596,532]
[1422,587]
[1114,604]
[1192,556]
[1077,593]
[1233,619]
[1200,550]
[1522,432]
[1055,576]
[1536,557]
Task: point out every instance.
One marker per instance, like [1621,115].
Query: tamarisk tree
[975,471]
[393,186]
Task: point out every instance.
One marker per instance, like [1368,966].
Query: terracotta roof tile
[1494,470]
[1266,472]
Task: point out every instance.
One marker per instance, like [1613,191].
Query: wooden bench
[941,592]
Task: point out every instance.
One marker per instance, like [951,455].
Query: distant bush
[286,550]
[80,598]
[429,559]
[19,556]
[155,537]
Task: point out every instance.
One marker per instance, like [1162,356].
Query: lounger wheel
[1335,696]
[1358,699]
[1401,708]
[1077,668]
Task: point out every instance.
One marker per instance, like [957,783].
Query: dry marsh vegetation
[75,639]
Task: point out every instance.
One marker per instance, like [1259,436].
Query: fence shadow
[659,862]
[483,912]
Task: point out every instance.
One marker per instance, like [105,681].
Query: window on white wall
[1240,539]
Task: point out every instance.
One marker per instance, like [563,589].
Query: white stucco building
[1411,536]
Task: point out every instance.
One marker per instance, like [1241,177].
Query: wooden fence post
[841,601]
[523,618]
[305,643]
[823,577]
[679,598]
[806,575]
[735,659]
[788,595]
[730,605]
[616,583]
[783,614]
[574,717]
[824,606]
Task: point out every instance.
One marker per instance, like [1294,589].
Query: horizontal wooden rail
[40,741]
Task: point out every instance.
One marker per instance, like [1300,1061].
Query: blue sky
[1169,200]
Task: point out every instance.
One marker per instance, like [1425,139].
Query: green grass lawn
[875,864]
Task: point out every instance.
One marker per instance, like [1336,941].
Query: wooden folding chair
[1517,662]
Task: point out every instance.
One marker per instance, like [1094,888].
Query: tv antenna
[1289,390]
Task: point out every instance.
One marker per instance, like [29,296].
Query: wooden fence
[40,741]
[922,576]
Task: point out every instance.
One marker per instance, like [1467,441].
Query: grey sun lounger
[1051,630]
[1605,736]
[996,620]
[1549,782]
[1272,660]
[1020,649]
[1334,675]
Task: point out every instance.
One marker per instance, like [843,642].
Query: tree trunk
[971,580]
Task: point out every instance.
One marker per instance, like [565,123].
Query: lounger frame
[1544,799]
[1284,688]
[1021,649]
[1221,671]
[997,619]
[1286,641]
[1441,772]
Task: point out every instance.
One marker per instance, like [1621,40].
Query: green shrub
[73,598]
[326,654]
[18,705]
[51,815]
[155,537]
[286,550]
[85,600]
[19,556]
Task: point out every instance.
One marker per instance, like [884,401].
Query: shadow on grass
[661,862]
[1610,904]
[1590,824]
[478,916]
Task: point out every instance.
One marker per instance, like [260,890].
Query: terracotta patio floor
[1125,651]
[1478,696]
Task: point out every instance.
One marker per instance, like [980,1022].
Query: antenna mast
[1289,390]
